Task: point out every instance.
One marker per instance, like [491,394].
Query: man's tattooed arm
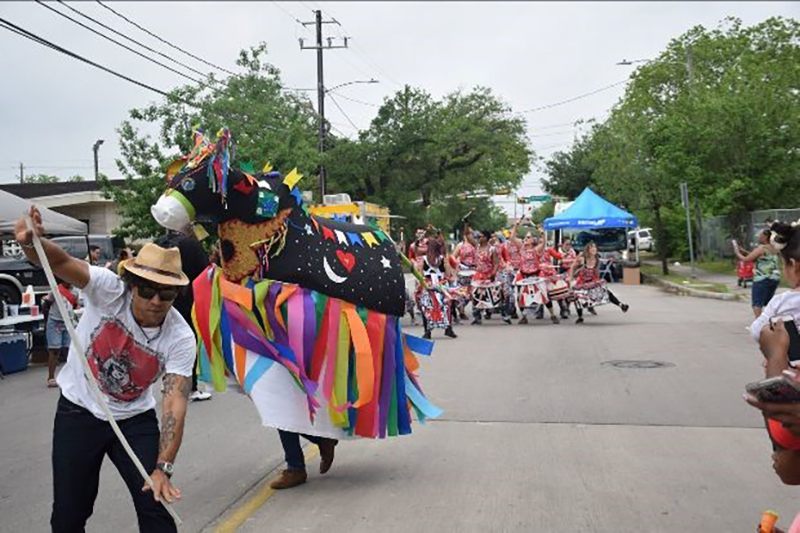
[173,414]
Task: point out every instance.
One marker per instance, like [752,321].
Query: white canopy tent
[12,207]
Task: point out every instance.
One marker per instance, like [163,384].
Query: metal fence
[717,232]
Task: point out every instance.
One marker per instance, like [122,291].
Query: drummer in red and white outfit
[530,267]
[587,267]
[487,263]
[568,256]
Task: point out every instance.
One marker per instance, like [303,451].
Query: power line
[548,106]
[184,65]
[364,57]
[104,36]
[342,112]
[148,32]
[290,15]
[35,38]
[356,101]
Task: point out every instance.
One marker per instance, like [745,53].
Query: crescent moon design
[330,273]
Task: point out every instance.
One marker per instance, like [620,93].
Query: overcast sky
[53,108]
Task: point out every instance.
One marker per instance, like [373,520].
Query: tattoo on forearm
[176,383]
[168,433]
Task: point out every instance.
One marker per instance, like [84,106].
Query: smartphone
[774,390]
[790,326]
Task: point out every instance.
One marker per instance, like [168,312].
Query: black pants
[292,450]
[80,442]
[611,298]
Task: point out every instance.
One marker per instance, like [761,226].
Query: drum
[591,295]
[465,277]
[558,287]
[486,295]
[434,307]
[531,292]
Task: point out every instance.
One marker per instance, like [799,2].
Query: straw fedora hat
[157,264]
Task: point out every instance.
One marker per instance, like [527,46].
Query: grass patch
[685,281]
[718,266]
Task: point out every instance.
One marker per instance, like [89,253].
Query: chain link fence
[717,232]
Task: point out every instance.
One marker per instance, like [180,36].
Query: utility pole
[319,47]
[21,173]
[686,205]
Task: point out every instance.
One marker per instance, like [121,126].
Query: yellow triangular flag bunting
[369,238]
[267,168]
[200,232]
[292,178]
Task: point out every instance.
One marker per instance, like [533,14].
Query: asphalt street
[541,432]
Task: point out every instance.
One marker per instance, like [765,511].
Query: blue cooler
[13,352]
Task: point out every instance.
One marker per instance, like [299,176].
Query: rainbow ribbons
[359,361]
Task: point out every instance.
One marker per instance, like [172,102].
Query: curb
[688,291]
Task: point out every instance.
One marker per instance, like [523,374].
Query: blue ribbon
[418,345]
[355,239]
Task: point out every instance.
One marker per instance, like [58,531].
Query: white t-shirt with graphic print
[124,362]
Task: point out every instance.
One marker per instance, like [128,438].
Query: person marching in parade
[434,302]
[512,253]
[505,276]
[464,254]
[589,289]
[568,255]
[133,337]
[529,268]
[487,263]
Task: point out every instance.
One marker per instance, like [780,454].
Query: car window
[645,234]
[74,246]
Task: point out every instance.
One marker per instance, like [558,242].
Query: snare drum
[592,294]
[558,287]
[486,295]
[531,292]
[465,277]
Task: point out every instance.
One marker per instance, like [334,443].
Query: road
[540,433]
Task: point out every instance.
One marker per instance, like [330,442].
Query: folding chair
[605,270]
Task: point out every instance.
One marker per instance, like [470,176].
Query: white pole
[87,371]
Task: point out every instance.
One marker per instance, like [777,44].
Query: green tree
[422,157]
[718,109]
[77,178]
[269,124]
[41,178]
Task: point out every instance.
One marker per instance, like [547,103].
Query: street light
[372,80]
[95,148]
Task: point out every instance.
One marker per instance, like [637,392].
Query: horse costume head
[266,232]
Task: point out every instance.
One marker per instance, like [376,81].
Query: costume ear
[240,181]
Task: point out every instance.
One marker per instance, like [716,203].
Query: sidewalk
[705,277]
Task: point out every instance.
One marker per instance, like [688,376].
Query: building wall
[102,217]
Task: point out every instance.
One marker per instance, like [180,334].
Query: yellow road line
[238,516]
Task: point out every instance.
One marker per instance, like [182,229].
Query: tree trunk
[661,242]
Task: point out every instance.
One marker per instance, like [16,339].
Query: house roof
[40,190]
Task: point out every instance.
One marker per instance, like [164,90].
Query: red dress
[528,261]
[484,268]
[466,255]
[568,258]
[546,267]
[514,255]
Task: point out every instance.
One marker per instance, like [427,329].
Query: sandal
[51,383]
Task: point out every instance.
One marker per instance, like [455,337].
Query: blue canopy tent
[591,211]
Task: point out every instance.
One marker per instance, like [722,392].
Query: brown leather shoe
[326,451]
[289,479]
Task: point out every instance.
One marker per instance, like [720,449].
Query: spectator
[55,329]
[767,270]
[94,255]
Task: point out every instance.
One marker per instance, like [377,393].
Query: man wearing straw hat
[132,336]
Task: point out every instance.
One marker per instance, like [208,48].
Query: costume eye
[188,185]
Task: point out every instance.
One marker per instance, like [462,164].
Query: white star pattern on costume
[308,229]
[385,262]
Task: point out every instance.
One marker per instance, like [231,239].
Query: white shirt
[784,304]
[123,361]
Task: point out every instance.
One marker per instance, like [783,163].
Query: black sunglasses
[147,292]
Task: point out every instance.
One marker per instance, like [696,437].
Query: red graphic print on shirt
[124,369]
